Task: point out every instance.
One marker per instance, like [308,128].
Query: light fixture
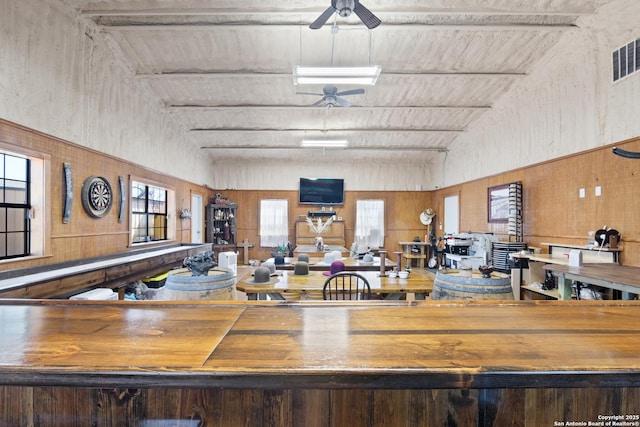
[366,75]
[335,143]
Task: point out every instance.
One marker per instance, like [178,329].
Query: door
[196,218]
[451,214]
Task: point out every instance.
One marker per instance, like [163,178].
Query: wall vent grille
[626,60]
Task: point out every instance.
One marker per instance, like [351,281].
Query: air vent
[626,60]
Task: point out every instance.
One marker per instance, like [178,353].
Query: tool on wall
[624,153]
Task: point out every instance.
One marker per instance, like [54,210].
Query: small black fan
[331,96]
[344,9]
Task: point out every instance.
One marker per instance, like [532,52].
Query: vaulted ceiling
[223,69]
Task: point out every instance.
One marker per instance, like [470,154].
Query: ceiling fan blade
[351,92]
[368,18]
[309,93]
[318,103]
[343,102]
[323,18]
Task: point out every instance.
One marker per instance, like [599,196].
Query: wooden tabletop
[620,277]
[351,264]
[314,282]
[342,345]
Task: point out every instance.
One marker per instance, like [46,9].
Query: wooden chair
[346,285]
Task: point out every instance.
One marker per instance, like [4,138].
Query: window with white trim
[274,222]
[15,206]
[369,230]
[150,208]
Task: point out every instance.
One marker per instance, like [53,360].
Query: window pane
[274,222]
[15,219]
[138,197]
[15,244]
[369,230]
[157,207]
[15,168]
[15,192]
[3,245]
[158,231]
[139,227]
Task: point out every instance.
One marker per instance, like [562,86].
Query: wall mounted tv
[321,191]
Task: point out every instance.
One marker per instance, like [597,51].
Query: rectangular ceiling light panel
[367,75]
[324,143]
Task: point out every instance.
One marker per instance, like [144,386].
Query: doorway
[196,218]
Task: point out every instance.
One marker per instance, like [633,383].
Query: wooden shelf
[551,293]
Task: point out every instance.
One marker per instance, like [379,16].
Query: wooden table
[290,286]
[351,264]
[420,363]
[612,276]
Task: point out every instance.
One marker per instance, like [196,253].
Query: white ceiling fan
[331,97]
[344,8]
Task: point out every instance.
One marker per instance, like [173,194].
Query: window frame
[169,203]
[19,209]
[368,240]
[273,240]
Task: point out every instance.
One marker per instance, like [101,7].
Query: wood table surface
[351,264]
[613,276]
[311,285]
[425,344]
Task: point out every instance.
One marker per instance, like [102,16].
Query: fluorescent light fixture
[336,75]
[336,143]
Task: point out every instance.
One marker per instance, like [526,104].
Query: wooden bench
[115,271]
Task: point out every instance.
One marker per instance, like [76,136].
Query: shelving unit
[515,212]
[220,226]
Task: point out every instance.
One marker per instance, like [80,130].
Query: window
[149,213]
[15,206]
[274,222]
[370,223]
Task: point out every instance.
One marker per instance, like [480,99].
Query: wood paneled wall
[553,210]
[65,406]
[85,236]
[402,210]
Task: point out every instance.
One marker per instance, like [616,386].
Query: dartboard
[97,196]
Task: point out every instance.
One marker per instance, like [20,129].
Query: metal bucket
[451,285]
[219,284]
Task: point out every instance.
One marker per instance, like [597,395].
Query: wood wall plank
[553,212]
[85,236]
[65,406]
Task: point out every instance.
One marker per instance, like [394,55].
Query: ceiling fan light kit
[365,75]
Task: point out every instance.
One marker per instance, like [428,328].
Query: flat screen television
[321,191]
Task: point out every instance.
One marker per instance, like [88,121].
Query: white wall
[390,176]
[567,103]
[57,78]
